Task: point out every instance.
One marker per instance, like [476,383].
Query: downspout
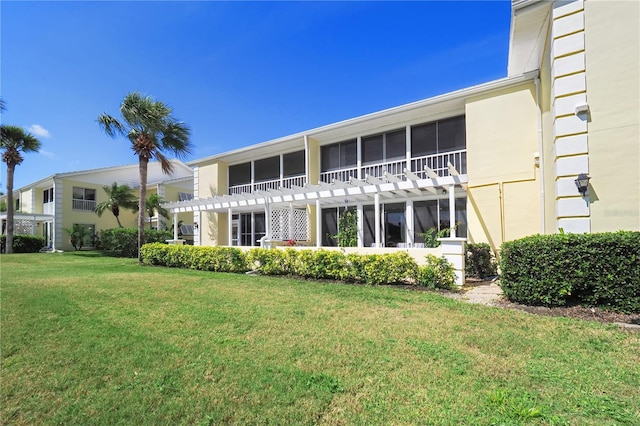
[540,155]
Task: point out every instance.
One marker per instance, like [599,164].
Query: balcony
[48,208]
[439,163]
[287,182]
[84,205]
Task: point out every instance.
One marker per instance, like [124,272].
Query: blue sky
[238,73]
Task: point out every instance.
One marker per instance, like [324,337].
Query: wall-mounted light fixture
[195,226]
[582,109]
[582,183]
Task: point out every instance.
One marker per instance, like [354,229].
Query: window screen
[396,145]
[266,169]
[293,164]
[240,174]
[423,140]
[451,134]
[372,149]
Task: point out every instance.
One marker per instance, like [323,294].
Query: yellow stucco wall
[548,152]
[613,93]
[212,181]
[502,139]
[71,216]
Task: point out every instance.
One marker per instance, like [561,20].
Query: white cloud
[39,131]
[46,153]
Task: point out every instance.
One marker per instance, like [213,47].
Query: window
[252,228]
[47,196]
[434,214]
[339,155]
[240,174]
[384,147]
[266,169]
[439,136]
[393,224]
[84,199]
[293,164]
[185,196]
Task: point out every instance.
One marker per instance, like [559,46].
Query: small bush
[23,243]
[391,268]
[204,258]
[436,273]
[592,269]
[480,262]
[272,261]
[123,242]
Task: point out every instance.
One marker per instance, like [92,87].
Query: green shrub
[321,264]
[24,243]
[204,258]
[391,268]
[123,242]
[592,269]
[436,273]
[479,261]
[273,261]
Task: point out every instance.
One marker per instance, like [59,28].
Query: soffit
[529,26]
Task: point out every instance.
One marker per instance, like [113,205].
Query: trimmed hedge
[600,269]
[373,269]
[123,242]
[24,243]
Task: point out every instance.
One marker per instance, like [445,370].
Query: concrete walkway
[484,293]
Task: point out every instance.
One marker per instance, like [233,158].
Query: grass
[88,340]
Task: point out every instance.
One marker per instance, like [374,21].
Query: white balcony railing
[48,208]
[287,182]
[84,205]
[439,163]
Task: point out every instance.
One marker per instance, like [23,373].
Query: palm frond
[165,164]
[176,139]
[111,126]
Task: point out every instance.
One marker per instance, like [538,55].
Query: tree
[152,131]
[14,141]
[154,204]
[120,196]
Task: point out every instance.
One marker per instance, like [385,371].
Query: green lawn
[88,339]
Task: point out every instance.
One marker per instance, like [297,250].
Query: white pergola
[355,190]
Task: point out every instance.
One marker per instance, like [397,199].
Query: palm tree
[154,204]
[152,130]
[14,140]
[120,196]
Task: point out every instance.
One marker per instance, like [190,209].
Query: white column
[452,211]
[360,213]
[230,226]
[175,225]
[408,218]
[376,201]
[267,220]
[318,224]
[408,149]
[359,158]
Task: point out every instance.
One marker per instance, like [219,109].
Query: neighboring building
[492,163]
[51,205]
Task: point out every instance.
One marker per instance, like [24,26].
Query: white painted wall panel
[563,8]
[567,105]
[571,145]
[570,124]
[566,187]
[572,207]
[575,226]
[570,84]
[572,166]
[568,24]
[568,64]
[569,44]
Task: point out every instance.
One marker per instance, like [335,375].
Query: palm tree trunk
[118,220]
[143,163]
[10,207]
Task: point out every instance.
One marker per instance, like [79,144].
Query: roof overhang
[28,216]
[529,28]
[353,191]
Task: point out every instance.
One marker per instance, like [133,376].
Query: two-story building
[491,163]
[51,205]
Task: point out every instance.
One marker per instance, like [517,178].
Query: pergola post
[318,224]
[452,211]
[175,225]
[230,226]
[376,201]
